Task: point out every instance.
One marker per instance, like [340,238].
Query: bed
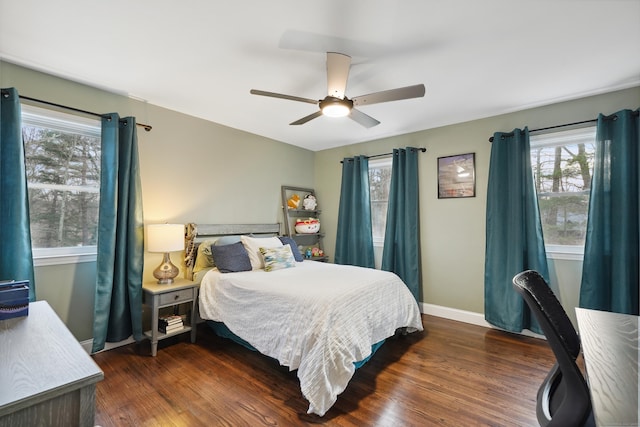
[323,320]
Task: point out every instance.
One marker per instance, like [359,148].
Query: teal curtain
[514,241]
[401,252]
[16,258]
[354,239]
[118,297]
[610,273]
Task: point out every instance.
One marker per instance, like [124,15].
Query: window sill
[63,259]
[60,256]
[566,253]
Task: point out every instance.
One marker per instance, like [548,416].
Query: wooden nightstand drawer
[176,297]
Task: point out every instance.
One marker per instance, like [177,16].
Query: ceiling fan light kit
[336,104]
[336,107]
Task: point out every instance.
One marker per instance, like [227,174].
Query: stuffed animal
[309,202]
[307,226]
[293,202]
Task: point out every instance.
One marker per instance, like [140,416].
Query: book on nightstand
[172,328]
[168,324]
[174,318]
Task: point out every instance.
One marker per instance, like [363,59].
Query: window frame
[552,138]
[379,163]
[64,122]
[64,255]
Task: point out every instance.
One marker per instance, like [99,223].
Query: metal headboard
[194,234]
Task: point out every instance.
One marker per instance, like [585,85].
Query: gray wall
[198,171]
[192,170]
[453,230]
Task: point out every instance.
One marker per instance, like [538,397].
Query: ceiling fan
[336,104]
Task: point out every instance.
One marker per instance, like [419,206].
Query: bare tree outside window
[562,165]
[62,160]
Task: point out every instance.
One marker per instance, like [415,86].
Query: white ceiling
[201,57]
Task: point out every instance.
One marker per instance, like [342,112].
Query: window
[62,157]
[562,165]
[379,185]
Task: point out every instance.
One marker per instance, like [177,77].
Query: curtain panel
[611,271]
[16,257]
[401,252]
[513,231]
[118,297]
[354,239]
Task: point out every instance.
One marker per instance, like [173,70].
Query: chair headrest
[532,286]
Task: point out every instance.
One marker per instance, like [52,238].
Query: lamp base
[166,271]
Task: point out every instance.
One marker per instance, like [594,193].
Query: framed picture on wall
[457,176]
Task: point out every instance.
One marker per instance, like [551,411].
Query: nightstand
[156,296]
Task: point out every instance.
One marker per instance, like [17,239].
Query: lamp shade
[165,237]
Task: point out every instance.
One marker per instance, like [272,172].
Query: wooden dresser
[46,377]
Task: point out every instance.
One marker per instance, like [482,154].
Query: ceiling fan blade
[279,95]
[338,66]
[415,91]
[307,118]
[362,118]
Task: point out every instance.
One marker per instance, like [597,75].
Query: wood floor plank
[452,374]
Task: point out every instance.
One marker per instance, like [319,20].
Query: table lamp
[165,238]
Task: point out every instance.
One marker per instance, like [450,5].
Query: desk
[610,348]
[46,377]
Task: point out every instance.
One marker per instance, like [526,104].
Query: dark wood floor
[452,374]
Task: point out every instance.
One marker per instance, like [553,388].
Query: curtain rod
[388,154]
[554,127]
[77,110]
[635,113]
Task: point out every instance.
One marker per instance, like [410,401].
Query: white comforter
[317,318]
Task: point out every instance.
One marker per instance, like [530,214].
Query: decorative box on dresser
[158,296]
[46,377]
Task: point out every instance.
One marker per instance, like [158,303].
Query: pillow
[277,258]
[253,245]
[286,240]
[226,240]
[203,253]
[203,256]
[231,258]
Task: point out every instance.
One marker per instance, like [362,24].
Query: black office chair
[563,398]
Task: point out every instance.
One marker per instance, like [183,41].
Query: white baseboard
[466,317]
[454,314]
[87,345]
